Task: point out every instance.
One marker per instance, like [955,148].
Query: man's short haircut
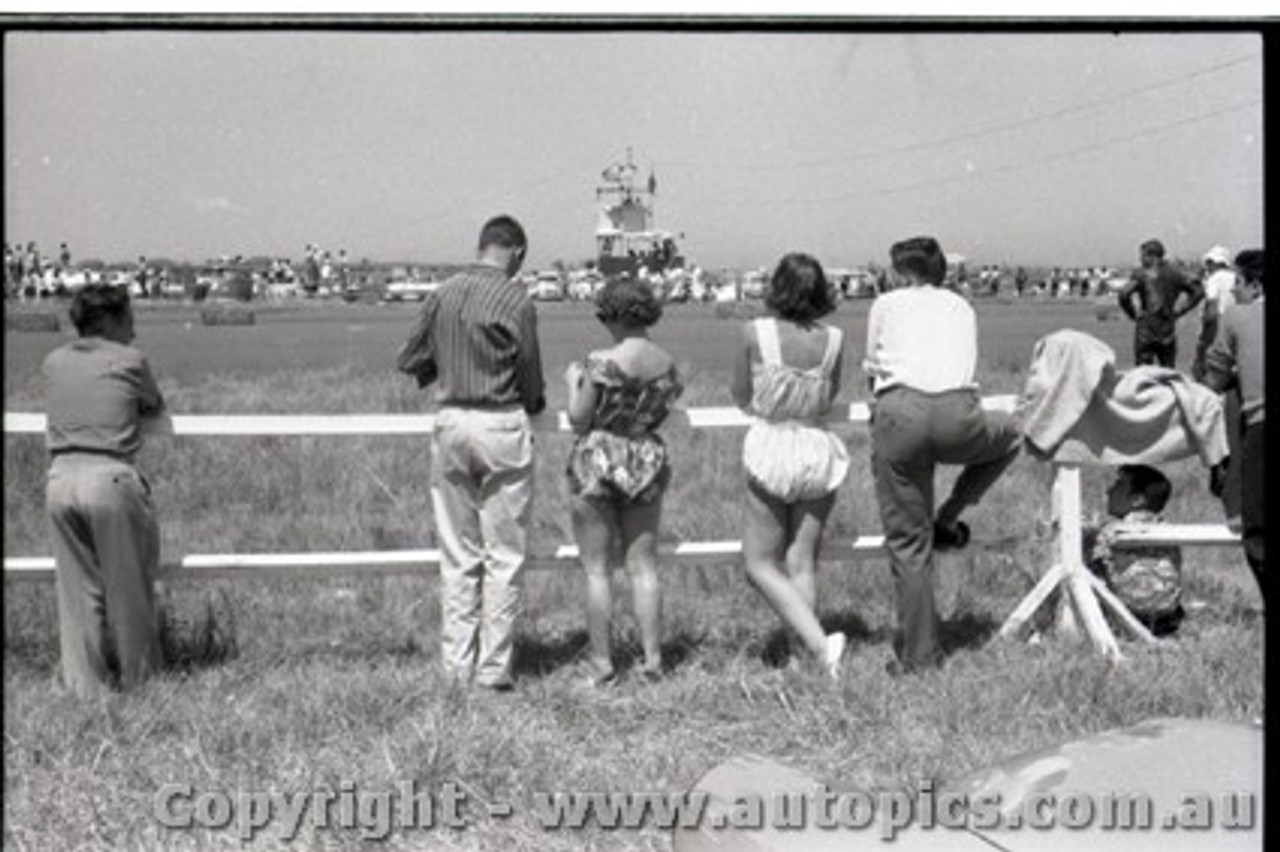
[798,290]
[1152,247]
[94,304]
[1152,485]
[629,302]
[1250,264]
[921,258]
[503,231]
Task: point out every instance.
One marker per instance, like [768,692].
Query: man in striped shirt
[476,340]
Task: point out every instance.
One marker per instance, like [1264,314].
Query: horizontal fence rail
[422,424]
[386,562]
[414,561]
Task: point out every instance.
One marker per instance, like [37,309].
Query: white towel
[1146,415]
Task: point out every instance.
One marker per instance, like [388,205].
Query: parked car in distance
[584,284]
[409,288]
[547,287]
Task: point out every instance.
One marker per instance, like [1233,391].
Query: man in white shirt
[1219,286]
[922,352]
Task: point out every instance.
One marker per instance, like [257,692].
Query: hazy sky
[1021,147]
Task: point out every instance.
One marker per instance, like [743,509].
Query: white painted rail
[384,562]
[21,422]
[412,561]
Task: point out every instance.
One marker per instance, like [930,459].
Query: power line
[1062,155]
[992,130]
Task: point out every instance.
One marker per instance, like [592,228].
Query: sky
[1051,147]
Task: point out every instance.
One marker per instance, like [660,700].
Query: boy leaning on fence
[106,541]
[476,340]
[922,354]
[1147,579]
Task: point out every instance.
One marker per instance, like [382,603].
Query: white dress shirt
[922,337]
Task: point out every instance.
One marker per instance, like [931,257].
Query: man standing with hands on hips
[476,340]
[1156,287]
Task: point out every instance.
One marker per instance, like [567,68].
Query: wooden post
[1079,586]
[1071,554]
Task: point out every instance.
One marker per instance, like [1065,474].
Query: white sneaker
[835,650]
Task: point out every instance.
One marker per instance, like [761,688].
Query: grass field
[299,684]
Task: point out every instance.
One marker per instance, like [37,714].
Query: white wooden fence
[411,561]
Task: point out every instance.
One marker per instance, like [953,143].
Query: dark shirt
[98,393]
[1157,289]
[477,339]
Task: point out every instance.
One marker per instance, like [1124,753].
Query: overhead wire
[985,172]
[991,130]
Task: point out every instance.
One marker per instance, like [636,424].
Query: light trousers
[106,546]
[481,493]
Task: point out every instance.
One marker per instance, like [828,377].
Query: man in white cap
[1219,294]
[1219,285]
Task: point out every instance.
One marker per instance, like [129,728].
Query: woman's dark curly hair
[628,302]
[798,290]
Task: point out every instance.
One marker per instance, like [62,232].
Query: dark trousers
[911,433]
[1155,342]
[1253,481]
[1232,489]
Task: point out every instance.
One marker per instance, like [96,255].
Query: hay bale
[31,321]
[226,314]
[1108,312]
[739,310]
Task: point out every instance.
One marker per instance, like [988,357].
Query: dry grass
[291,685]
[226,314]
[31,320]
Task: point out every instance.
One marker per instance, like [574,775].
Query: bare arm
[741,387]
[1194,291]
[582,397]
[837,373]
[1126,297]
[869,364]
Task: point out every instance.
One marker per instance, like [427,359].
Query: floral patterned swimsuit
[622,459]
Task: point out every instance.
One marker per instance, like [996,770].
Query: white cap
[1218,254]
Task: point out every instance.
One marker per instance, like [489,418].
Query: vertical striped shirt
[477,340]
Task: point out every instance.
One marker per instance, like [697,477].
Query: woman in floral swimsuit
[618,468]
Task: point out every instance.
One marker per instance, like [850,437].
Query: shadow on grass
[675,651]
[968,630]
[779,645]
[539,657]
[201,643]
[37,655]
